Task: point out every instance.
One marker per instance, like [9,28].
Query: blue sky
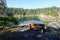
[32,4]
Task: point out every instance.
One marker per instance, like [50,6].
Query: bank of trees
[7,20]
[20,11]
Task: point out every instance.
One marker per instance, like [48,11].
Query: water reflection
[33,21]
[28,18]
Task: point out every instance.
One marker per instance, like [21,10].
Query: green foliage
[20,11]
[4,21]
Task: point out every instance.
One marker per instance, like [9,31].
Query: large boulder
[54,25]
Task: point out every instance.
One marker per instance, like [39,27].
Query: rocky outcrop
[54,25]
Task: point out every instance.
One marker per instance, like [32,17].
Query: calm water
[32,21]
[26,20]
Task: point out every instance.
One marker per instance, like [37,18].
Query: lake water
[32,21]
[26,20]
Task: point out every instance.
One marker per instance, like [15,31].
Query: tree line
[20,11]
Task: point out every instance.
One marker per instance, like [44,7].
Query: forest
[47,11]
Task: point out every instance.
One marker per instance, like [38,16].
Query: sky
[32,4]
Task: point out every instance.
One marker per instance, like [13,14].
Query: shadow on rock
[29,35]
